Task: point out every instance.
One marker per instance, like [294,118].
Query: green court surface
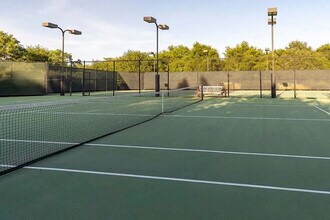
[222,158]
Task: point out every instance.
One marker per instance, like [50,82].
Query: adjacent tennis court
[184,158]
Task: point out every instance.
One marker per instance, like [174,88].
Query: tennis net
[32,132]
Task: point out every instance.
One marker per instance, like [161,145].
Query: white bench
[212,90]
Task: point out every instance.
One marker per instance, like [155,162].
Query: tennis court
[217,158]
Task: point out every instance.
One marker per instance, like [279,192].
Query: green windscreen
[19,78]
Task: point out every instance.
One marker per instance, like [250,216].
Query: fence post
[95,78]
[83,79]
[139,61]
[294,84]
[70,85]
[168,80]
[260,84]
[106,80]
[113,77]
[228,81]
[202,91]
[46,77]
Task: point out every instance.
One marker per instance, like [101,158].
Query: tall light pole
[267,51]
[272,13]
[153,54]
[207,59]
[153,20]
[71,31]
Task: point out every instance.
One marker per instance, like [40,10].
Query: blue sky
[112,27]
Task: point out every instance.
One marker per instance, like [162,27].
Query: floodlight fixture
[163,27]
[150,19]
[75,32]
[49,25]
[272,11]
[271,21]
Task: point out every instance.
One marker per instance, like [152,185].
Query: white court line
[328,113]
[38,142]
[242,185]
[212,151]
[176,149]
[271,105]
[246,118]
[79,113]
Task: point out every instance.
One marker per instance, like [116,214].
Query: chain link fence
[18,78]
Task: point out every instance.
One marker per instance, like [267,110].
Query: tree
[55,57]
[36,54]
[41,54]
[130,62]
[176,56]
[298,55]
[181,58]
[244,57]
[324,50]
[10,48]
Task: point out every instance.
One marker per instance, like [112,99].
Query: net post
[163,111]
[202,91]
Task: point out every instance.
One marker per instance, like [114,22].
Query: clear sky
[111,27]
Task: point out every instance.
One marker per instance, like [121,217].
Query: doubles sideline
[174,149]
[172,179]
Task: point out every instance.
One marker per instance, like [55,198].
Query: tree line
[243,57]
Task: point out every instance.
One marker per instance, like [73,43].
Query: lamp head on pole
[163,27]
[271,22]
[49,25]
[150,19]
[272,11]
[75,32]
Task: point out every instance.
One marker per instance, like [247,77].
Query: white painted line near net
[78,113]
[328,113]
[269,105]
[183,180]
[176,149]
[38,142]
[245,118]
[211,151]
